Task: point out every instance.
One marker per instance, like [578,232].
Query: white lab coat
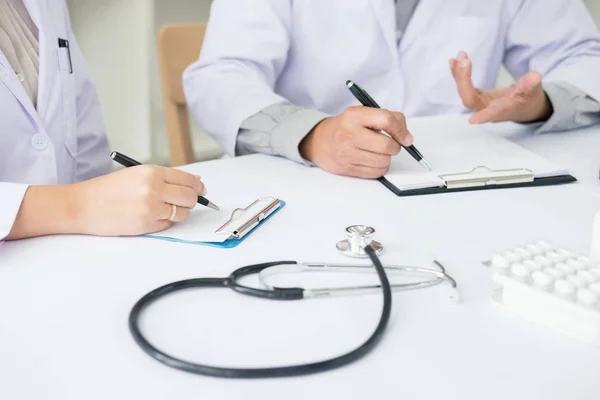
[260,52]
[64,140]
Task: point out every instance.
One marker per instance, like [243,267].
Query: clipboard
[482,178]
[241,223]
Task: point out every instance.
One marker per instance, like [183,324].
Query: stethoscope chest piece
[359,237]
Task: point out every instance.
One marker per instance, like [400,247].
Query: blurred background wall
[118,39]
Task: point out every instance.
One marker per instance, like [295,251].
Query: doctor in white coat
[271,75]
[52,136]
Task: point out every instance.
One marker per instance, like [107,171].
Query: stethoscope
[359,242]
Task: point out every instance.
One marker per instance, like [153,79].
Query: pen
[130,162]
[64,44]
[367,101]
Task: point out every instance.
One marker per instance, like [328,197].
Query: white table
[64,301]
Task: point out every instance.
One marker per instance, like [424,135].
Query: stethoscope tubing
[276,294]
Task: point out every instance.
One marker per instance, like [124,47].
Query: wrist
[309,145]
[544,109]
[77,202]
[73,210]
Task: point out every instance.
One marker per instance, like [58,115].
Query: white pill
[535,249]
[545,245]
[519,270]
[595,287]
[563,288]
[595,273]
[523,253]
[554,257]
[553,272]
[576,264]
[587,297]
[532,265]
[576,281]
[500,262]
[586,276]
[541,279]
[543,261]
[565,269]
[584,260]
[565,254]
[511,256]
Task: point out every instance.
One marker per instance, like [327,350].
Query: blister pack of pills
[552,286]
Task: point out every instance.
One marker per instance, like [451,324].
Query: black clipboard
[482,178]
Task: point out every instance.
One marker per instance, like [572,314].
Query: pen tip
[113,154]
[349,83]
[425,164]
[213,206]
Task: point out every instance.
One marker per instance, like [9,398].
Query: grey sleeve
[277,130]
[573,108]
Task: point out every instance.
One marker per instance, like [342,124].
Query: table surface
[64,301]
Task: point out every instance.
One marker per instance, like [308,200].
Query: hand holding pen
[130,162]
[128,202]
[367,101]
[350,143]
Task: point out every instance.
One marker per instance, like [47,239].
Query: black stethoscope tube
[276,294]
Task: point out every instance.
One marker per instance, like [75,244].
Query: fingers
[176,177]
[181,196]
[365,172]
[376,142]
[165,209]
[461,68]
[368,159]
[405,138]
[378,119]
[525,102]
[528,84]
[351,143]
[498,111]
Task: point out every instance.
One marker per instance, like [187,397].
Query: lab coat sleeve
[573,108]
[244,52]
[93,154]
[278,130]
[558,39]
[11,197]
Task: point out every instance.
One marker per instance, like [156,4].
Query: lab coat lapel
[10,80]
[417,27]
[48,56]
[386,17]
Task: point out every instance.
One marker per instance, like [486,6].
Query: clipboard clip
[484,176]
[243,220]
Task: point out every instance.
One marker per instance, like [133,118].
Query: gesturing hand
[525,101]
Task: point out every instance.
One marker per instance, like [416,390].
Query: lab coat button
[39,141]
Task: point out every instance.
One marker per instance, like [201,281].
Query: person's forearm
[45,210]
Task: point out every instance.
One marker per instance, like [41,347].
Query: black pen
[367,101]
[130,162]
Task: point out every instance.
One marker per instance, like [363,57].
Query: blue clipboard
[227,244]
